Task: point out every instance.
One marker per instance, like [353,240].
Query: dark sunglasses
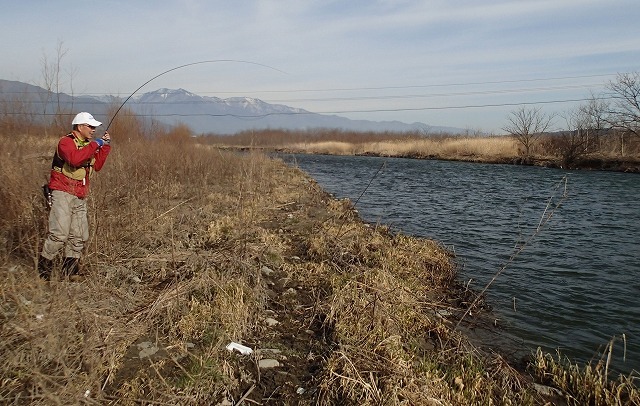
[91,126]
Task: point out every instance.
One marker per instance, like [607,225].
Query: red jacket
[76,156]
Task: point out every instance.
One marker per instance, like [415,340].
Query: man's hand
[106,138]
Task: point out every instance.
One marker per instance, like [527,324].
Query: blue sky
[464,63]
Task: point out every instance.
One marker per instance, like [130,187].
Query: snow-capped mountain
[227,116]
[205,114]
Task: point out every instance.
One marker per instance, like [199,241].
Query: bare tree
[528,124]
[625,111]
[52,82]
[48,77]
[595,116]
[577,140]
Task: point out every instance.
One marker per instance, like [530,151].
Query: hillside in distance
[201,113]
[234,114]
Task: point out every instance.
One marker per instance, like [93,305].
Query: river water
[574,284]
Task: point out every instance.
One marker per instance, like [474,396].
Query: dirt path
[293,335]
[292,332]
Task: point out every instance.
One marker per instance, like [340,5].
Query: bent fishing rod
[184,66]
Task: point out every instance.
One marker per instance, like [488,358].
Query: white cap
[85,118]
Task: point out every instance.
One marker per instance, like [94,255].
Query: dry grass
[480,148]
[451,148]
[326,147]
[180,236]
[586,385]
[154,273]
[388,314]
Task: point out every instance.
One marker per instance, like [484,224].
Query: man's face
[86,131]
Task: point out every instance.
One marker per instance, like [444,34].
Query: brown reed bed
[192,248]
[454,148]
[612,151]
[334,142]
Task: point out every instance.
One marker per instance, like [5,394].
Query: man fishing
[77,156]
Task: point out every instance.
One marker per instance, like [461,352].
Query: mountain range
[201,113]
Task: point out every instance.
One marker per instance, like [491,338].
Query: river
[574,282]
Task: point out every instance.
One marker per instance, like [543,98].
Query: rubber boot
[70,266]
[44,268]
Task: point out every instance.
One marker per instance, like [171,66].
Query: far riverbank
[492,150]
[592,163]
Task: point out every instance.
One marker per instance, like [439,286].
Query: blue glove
[100,141]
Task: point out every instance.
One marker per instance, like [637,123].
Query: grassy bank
[193,248]
[548,150]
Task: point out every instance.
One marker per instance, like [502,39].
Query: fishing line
[375,175]
[553,204]
[184,66]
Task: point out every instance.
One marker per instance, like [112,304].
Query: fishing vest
[73,172]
